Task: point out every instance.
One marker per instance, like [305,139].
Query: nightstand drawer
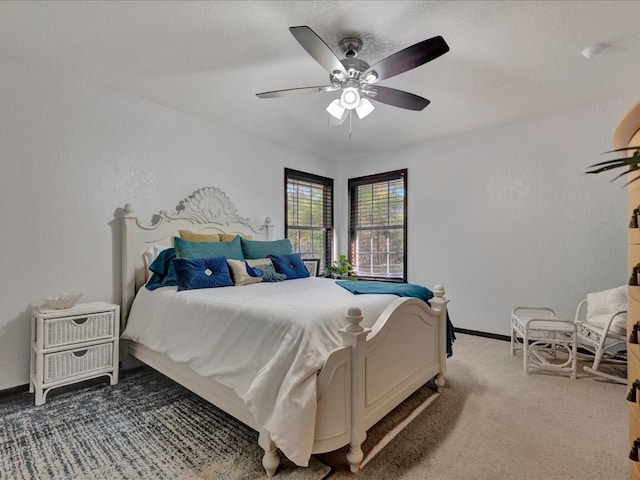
[78,328]
[76,362]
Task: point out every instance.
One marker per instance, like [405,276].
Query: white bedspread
[266,341]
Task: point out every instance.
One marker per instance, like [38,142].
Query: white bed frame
[360,383]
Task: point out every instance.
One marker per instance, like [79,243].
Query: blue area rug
[146,427]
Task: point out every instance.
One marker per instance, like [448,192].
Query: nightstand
[73,345]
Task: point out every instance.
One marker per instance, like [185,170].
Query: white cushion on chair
[601,305]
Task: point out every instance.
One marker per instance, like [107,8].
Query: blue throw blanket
[402,290]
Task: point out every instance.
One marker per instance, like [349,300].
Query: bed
[378,351]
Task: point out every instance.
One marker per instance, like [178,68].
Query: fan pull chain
[350,125]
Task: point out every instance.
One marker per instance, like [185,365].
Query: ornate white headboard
[206,210]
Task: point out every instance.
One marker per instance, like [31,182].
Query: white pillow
[601,305]
[150,254]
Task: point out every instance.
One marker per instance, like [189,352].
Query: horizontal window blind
[378,225]
[309,215]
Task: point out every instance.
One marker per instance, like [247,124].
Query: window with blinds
[378,226]
[309,215]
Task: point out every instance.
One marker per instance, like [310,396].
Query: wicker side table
[540,335]
[73,345]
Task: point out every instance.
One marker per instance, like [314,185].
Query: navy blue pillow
[164,272]
[290,265]
[193,273]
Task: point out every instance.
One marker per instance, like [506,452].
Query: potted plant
[341,269]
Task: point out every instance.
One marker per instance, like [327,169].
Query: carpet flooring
[146,427]
[491,422]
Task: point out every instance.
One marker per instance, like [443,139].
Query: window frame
[328,217]
[353,184]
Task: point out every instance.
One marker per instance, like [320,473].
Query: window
[378,226]
[309,215]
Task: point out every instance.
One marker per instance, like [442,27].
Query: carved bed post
[128,272]
[268,226]
[354,336]
[439,304]
[270,459]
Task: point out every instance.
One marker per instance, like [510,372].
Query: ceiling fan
[355,80]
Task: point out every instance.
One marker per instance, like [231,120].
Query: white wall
[505,216]
[71,153]
[501,217]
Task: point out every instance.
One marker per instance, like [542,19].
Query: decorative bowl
[64,300]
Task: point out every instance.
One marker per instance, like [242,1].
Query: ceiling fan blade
[318,49]
[396,98]
[297,91]
[410,57]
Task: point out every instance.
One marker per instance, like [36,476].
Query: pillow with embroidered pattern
[268,273]
[241,274]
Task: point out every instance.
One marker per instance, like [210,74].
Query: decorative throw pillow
[188,249]
[268,273]
[253,272]
[227,237]
[254,262]
[290,265]
[262,249]
[240,273]
[163,270]
[601,305]
[193,273]
[151,253]
[201,237]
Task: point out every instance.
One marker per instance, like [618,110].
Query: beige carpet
[492,422]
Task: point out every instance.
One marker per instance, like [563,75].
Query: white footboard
[381,367]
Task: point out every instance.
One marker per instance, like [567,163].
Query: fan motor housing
[350,46]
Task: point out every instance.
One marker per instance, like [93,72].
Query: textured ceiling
[508,60]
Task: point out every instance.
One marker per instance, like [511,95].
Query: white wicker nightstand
[73,345]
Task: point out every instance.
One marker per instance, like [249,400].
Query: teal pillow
[164,272]
[193,273]
[262,249]
[290,265]
[188,249]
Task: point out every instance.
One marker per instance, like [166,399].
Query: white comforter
[266,341]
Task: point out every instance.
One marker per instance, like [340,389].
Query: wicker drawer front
[75,362]
[63,331]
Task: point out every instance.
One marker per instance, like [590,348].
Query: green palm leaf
[631,163]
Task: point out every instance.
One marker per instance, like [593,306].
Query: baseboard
[10,391]
[478,333]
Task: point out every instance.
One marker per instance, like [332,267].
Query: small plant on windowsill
[340,269]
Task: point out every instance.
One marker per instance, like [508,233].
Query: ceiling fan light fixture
[350,98]
[336,109]
[371,77]
[364,108]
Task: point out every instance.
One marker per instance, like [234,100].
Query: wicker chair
[601,330]
[596,335]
